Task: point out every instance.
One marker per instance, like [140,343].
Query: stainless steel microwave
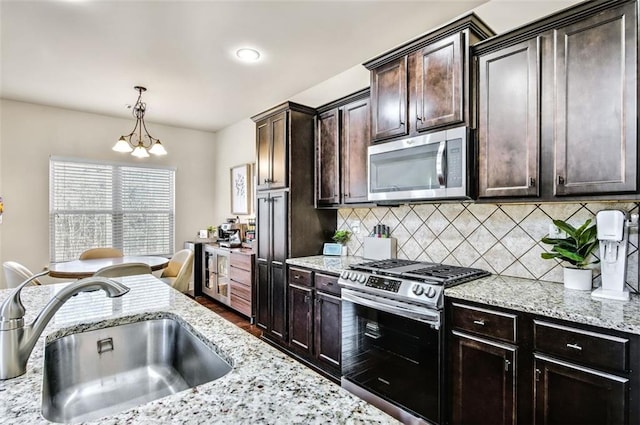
[430,166]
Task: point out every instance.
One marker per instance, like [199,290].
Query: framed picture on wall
[241,189]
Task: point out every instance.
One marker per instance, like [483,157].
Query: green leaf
[565,227]
[569,255]
[550,255]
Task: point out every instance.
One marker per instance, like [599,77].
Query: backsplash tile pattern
[501,238]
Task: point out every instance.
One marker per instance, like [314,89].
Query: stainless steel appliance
[392,346]
[430,166]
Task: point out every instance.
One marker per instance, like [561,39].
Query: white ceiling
[87,54]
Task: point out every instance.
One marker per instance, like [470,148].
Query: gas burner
[384,264]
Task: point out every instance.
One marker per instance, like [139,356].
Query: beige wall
[30,134]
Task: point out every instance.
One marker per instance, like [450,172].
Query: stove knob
[353,276]
[417,289]
[430,293]
[362,278]
[344,274]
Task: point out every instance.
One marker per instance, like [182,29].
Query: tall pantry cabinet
[287,224]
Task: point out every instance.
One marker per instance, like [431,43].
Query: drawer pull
[372,336]
[574,346]
[478,322]
[296,276]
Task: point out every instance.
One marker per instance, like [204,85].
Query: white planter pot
[579,279]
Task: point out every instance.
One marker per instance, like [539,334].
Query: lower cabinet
[483,385]
[315,319]
[507,367]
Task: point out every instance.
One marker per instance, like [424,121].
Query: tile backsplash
[501,238]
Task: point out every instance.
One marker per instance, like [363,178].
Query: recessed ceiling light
[248,55]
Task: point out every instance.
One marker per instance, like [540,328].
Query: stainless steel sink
[101,372]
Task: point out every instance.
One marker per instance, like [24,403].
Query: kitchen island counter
[264,387]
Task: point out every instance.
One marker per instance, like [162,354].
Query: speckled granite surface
[326,263]
[552,300]
[533,296]
[264,387]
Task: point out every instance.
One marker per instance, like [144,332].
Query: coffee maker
[613,234]
[232,231]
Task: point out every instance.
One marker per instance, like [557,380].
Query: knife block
[380,248]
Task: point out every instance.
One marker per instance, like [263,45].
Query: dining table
[78,269]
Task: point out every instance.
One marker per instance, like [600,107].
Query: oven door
[393,351]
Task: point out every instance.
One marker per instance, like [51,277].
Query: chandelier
[135,142]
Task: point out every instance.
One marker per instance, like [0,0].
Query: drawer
[327,283]
[585,347]
[300,276]
[241,261]
[240,275]
[241,305]
[240,290]
[480,321]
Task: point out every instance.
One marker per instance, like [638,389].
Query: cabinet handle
[574,346]
[419,118]
[507,363]
[296,276]
[478,322]
[532,182]
[560,180]
[401,122]
[306,299]
[538,373]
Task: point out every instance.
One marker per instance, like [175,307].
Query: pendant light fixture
[135,142]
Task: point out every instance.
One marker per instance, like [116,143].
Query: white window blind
[94,204]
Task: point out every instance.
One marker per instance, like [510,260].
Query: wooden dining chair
[178,271]
[100,253]
[15,273]
[126,269]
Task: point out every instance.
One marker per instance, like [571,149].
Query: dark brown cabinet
[287,222]
[425,83]
[271,167]
[315,319]
[508,114]
[483,381]
[596,103]
[555,99]
[271,253]
[508,367]
[483,361]
[342,137]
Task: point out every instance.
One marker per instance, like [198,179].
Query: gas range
[413,282]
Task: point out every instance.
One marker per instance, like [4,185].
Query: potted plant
[213,232]
[575,249]
[342,237]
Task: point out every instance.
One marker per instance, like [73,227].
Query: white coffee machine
[613,234]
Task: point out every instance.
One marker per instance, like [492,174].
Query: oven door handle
[378,303]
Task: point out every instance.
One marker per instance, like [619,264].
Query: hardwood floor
[231,315]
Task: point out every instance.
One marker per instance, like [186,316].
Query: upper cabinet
[275,129]
[424,84]
[342,137]
[557,105]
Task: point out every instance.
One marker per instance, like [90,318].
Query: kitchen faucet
[17,340]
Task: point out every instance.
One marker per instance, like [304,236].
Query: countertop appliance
[392,345]
[430,166]
[613,234]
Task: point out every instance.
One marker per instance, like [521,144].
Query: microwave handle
[441,164]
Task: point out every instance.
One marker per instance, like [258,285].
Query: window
[96,204]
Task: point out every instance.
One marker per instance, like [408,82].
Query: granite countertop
[264,387]
[327,263]
[551,299]
[543,298]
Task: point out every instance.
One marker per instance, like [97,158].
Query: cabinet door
[508,128]
[263,148]
[263,316]
[389,99]
[278,297]
[436,79]
[328,329]
[483,381]
[356,136]
[328,158]
[300,317]
[569,394]
[278,178]
[263,227]
[279,225]
[595,103]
